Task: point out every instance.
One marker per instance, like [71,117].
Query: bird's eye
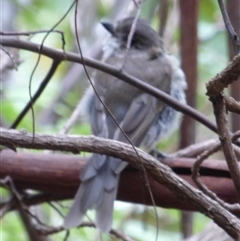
[136,43]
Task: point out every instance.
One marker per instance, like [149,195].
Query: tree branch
[42,86]
[159,172]
[63,56]
[230,74]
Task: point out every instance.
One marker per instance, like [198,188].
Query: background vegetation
[66,87]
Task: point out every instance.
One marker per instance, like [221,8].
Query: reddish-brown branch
[58,174]
[233,7]
[189,44]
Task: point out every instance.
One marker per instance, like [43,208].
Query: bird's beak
[109,27]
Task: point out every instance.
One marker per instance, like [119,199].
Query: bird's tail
[98,191]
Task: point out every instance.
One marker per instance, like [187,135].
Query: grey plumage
[142,117]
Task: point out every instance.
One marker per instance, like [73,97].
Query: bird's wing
[136,123]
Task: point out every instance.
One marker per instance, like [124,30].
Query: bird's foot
[158,154]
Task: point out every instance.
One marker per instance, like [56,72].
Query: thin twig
[38,60]
[11,58]
[28,33]
[232,105]
[130,36]
[39,91]
[18,198]
[7,207]
[53,230]
[229,27]
[195,149]
[195,176]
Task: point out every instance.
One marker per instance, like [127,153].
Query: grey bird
[143,118]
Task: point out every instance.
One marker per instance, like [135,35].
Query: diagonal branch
[234,37]
[63,56]
[37,94]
